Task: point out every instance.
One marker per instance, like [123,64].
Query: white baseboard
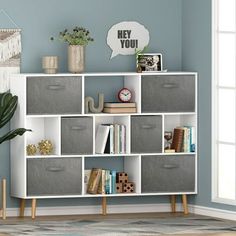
[95,209]
[213,212]
[128,208]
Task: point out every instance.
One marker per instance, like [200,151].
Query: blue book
[113,182]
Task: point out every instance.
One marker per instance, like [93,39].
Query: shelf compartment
[76,135]
[44,128]
[54,95]
[111,85]
[122,120]
[146,134]
[54,176]
[182,120]
[128,164]
[168,173]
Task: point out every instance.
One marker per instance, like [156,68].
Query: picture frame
[149,62]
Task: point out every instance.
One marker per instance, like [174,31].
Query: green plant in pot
[77,40]
[8,105]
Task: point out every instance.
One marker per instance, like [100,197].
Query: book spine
[110,182]
[116,139]
[111,139]
[107,182]
[193,139]
[113,173]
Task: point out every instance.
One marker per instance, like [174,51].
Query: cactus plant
[8,105]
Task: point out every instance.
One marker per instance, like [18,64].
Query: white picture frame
[149,62]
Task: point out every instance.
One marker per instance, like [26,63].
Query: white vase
[76,58]
[50,64]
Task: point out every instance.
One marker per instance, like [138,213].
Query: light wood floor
[13,220]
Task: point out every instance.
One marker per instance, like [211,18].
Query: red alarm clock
[124,95]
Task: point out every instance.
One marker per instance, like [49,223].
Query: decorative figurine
[89,104]
[31,149]
[45,147]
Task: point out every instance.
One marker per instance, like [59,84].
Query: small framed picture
[149,62]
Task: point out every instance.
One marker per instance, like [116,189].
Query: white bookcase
[48,102]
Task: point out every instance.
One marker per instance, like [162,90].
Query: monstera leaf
[8,105]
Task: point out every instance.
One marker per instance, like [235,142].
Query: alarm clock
[124,95]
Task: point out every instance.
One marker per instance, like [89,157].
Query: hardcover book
[94,180]
[120,110]
[101,138]
[119,104]
[177,139]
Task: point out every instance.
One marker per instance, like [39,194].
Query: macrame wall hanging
[10,53]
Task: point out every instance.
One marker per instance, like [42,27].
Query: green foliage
[78,36]
[8,105]
[138,52]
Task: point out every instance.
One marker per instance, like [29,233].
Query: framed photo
[149,62]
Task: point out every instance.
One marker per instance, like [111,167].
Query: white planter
[76,58]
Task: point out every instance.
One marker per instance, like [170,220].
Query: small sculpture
[45,147]
[31,149]
[89,104]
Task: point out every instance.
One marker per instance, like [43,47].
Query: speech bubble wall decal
[126,37]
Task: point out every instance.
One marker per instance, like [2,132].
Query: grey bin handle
[170,85]
[80,127]
[56,87]
[55,169]
[169,166]
[148,126]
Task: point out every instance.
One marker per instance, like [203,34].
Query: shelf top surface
[107,74]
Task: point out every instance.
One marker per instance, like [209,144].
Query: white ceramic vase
[50,64]
[76,58]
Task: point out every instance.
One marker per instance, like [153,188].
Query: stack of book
[119,107]
[110,138]
[101,181]
[183,139]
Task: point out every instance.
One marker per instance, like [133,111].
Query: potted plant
[8,105]
[77,39]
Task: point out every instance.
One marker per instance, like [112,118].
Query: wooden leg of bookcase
[185,204]
[22,208]
[173,203]
[33,208]
[104,206]
[4,198]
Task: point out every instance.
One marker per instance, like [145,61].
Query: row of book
[184,139]
[110,138]
[100,181]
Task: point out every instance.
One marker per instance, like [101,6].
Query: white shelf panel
[105,74]
[111,195]
[112,114]
[113,155]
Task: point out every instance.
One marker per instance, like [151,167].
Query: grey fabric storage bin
[54,95]
[146,134]
[77,135]
[54,176]
[168,173]
[168,93]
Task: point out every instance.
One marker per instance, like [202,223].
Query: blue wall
[197,57]
[39,20]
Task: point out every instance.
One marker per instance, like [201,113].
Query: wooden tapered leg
[173,203]
[185,204]
[33,208]
[104,206]
[22,207]
[4,198]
